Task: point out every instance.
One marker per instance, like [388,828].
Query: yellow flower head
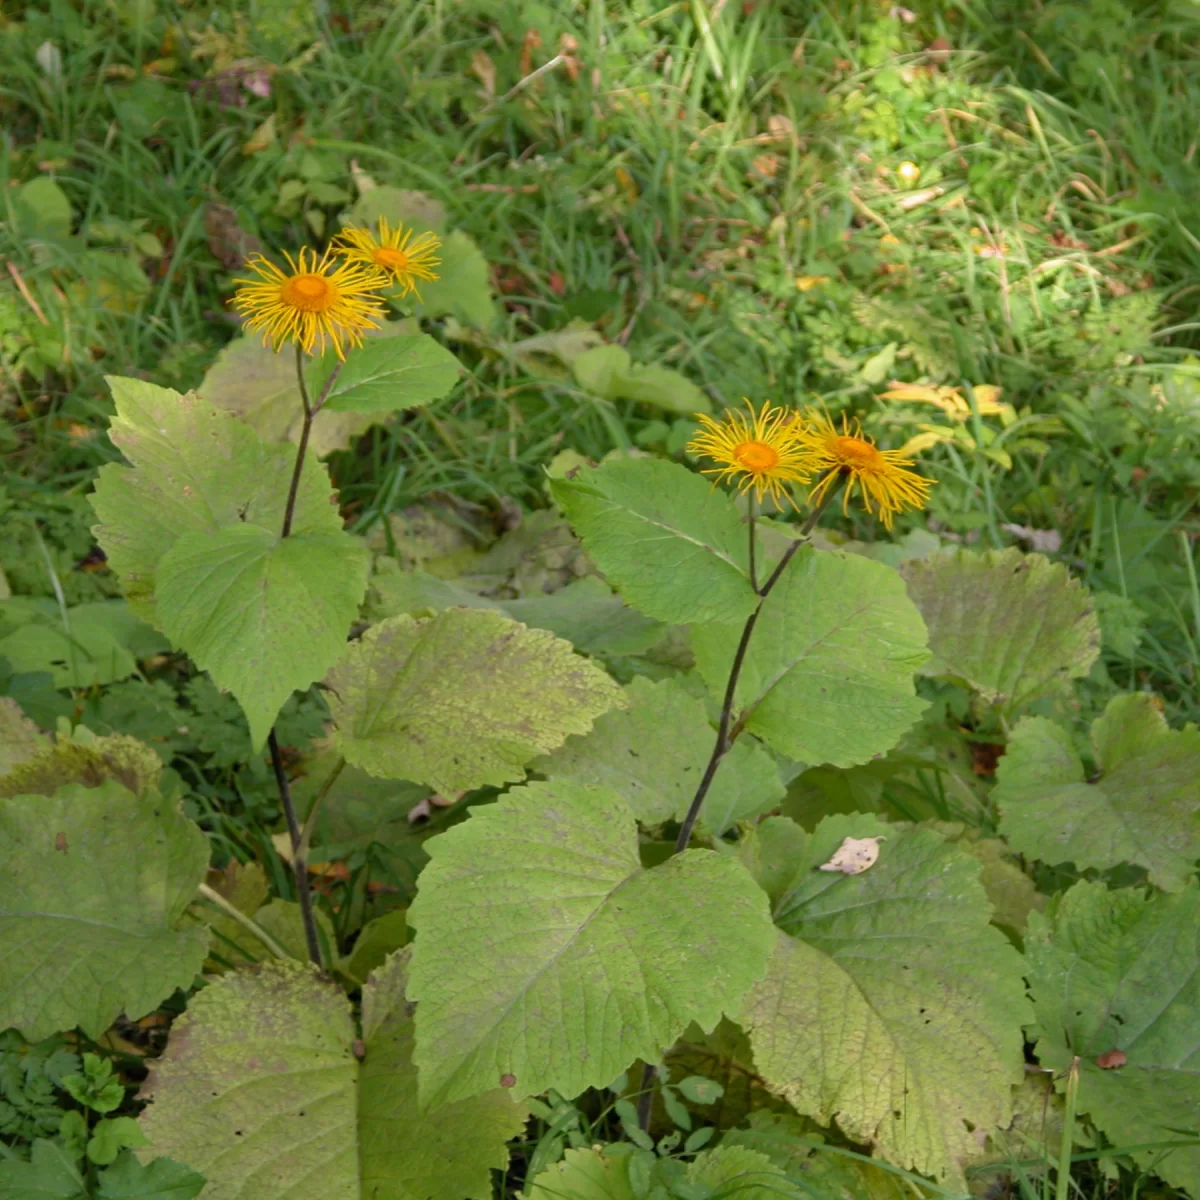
[880,475]
[404,258]
[318,300]
[762,450]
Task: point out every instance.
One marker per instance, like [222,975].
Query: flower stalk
[727,729]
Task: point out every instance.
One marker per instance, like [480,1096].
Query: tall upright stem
[724,741]
[727,731]
[295,834]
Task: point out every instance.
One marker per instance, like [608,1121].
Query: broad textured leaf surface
[547,955]
[463,699]
[260,1090]
[654,753]
[1008,625]
[828,677]
[248,378]
[670,542]
[407,1154]
[1143,808]
[389,374]
[96,881]
[264,615]
[881,987]
[194,469]
[1120,970]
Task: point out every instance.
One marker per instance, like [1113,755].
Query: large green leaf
[881,987]
[654,753]
[264,615]
[1008,625]
[828,677]
[392,373]
[194,469]
[248,378]
[670,542]
[1120,970]
[260,1090]
[96,881]
[547,956]
[463,699]
[1142,808]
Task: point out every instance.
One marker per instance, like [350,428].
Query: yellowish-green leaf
[1120,970]
[96,881]
[828,676]
[194,470]
[881,986]
[1143,807]
[1007,625]
[261,1091]
[264,615]
[538,905]
[248,378]
[654,753]
[388,374]
[664,537]
[464,699]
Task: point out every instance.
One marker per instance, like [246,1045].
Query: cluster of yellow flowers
[334,298]
[768,449]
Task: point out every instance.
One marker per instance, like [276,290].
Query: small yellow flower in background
[317,300]
[881,476]
[952,401]
[908,173]
[394,250]
[762,450]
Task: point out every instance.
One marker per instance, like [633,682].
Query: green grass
[668,183]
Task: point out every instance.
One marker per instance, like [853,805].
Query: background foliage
[973,225]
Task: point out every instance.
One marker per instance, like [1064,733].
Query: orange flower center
[756,456]
[312,293]
[391,260]
[856,453]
